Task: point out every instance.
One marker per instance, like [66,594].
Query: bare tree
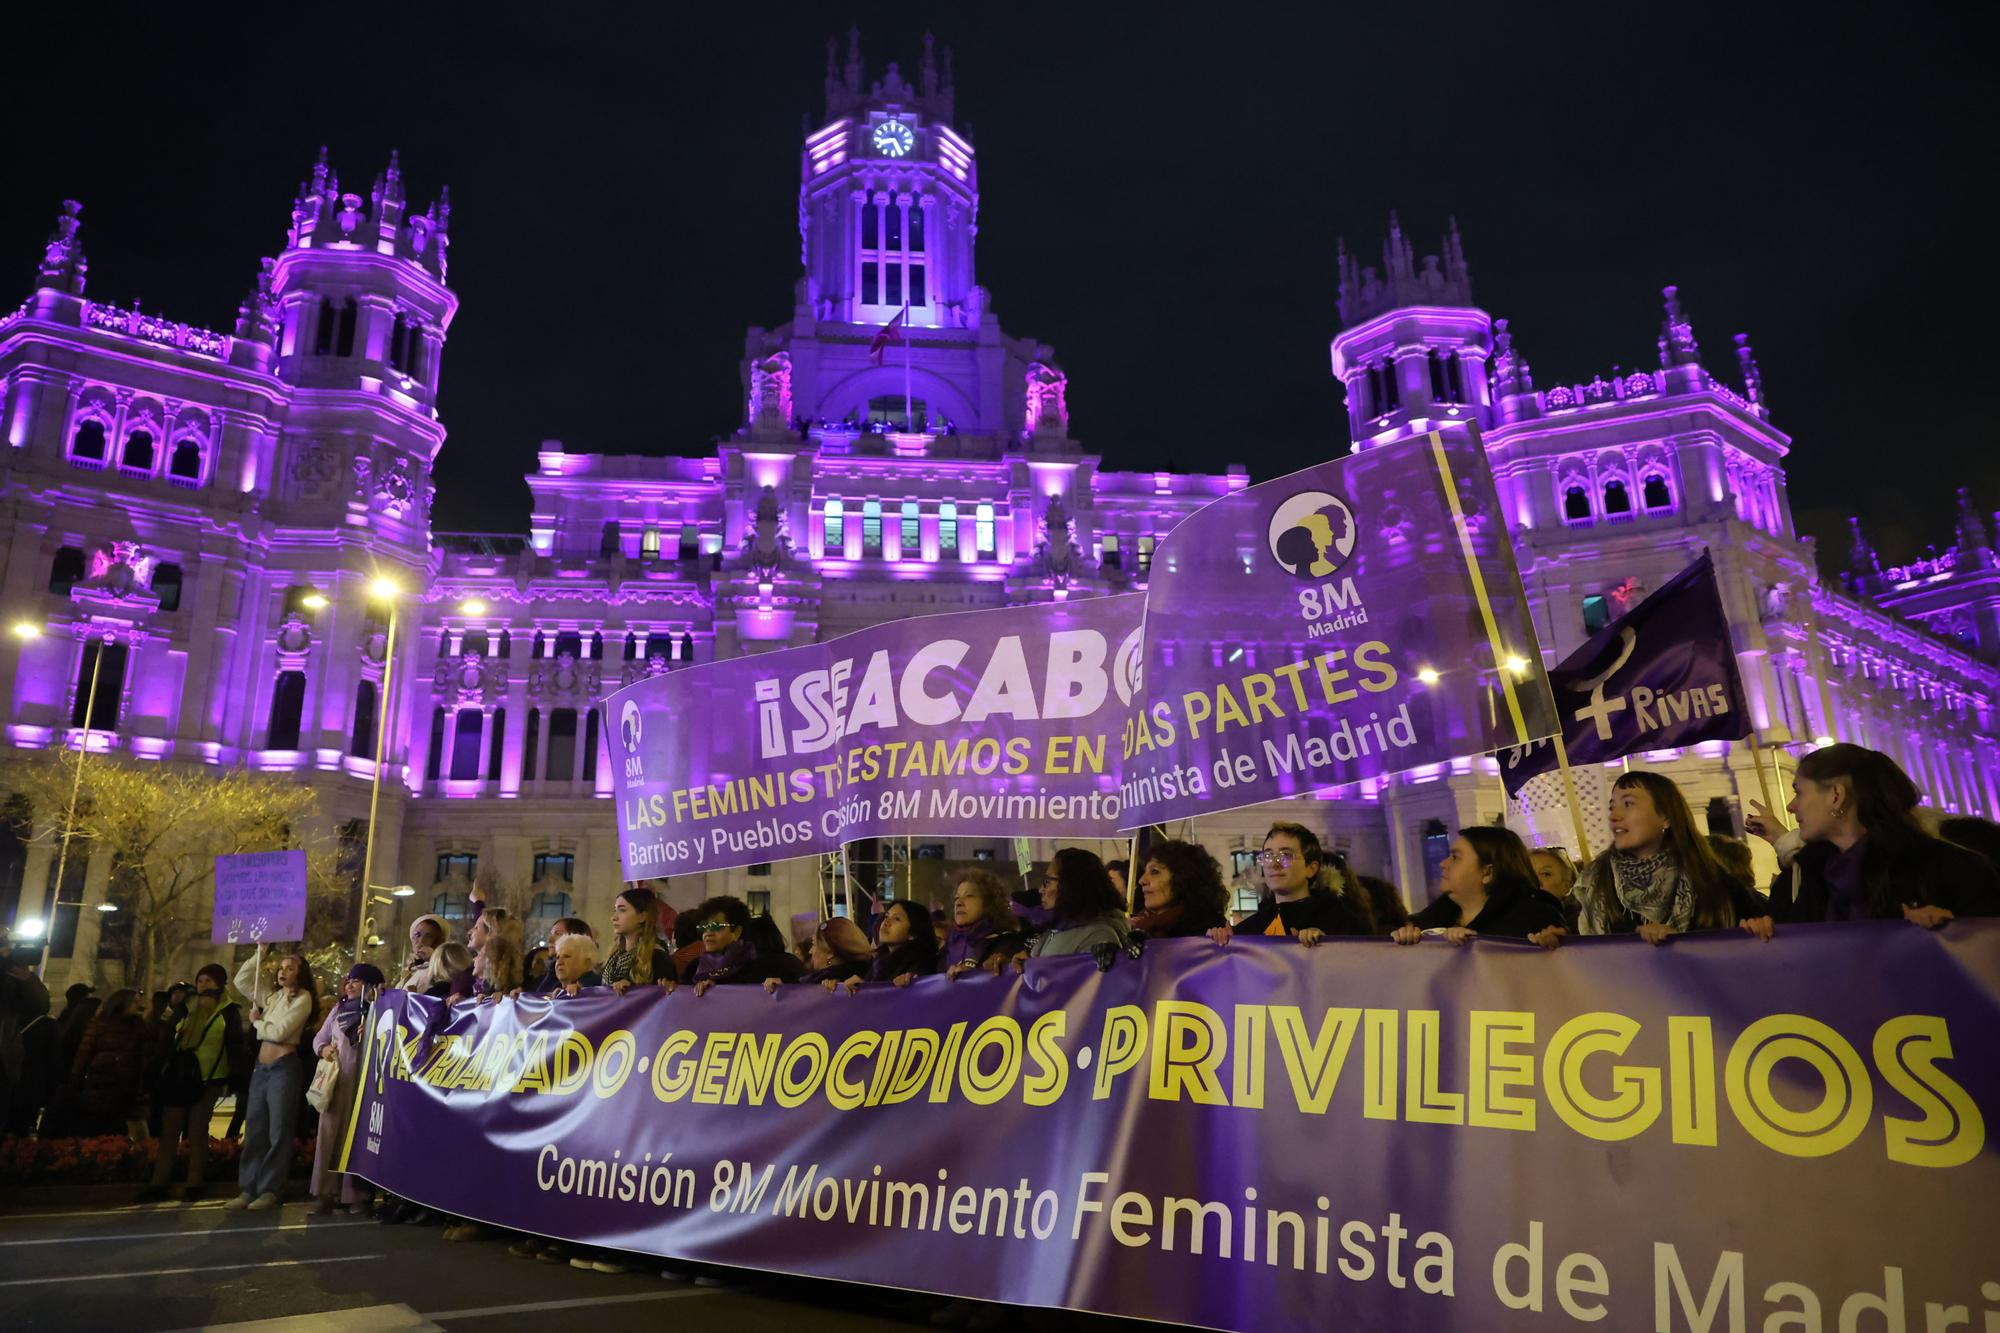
[163,826]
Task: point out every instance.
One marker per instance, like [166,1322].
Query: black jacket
[1319,910]
[1178,925]
[1932,873]
[1515,915]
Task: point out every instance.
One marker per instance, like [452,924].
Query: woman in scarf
[983,924]
[1183,892]
[636,957]
[340,1036]
[906,946]
[726,958]
[1659,878]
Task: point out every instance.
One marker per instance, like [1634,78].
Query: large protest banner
[1360,1136]
[1352,620]
[1662,675]
[1001,723]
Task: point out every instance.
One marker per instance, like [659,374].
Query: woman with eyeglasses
[1299,904]
[727,958]
[1486,886]
[1184,895]
[1086,911]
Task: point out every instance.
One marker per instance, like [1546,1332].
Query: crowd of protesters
[1863,848]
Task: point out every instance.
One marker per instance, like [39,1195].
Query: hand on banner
[771,985]
[668,984]
[1458,934]
[1930,918]
[1655,932]
[906,978]
[702,988]
[853,984]
[1763,822]
[957,970]
[1549,937]
[1222,934]
[1406,934]
[1019,960]
[1311,935]
[621,987]
[1763,927]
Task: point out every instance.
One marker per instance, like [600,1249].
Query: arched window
[596,646]
[1655,493]
[1576,505]
[434,762]
[66,570]
[591,745]
[539,648]
[323,329]
[498,750]
[529,746]
[288,705]
[465,745]
[836,527]
[444,643]
[344,339]
[687,647]
[138,453]
[506,649]
[361,740]
[562,745]
[185,470]
[167,586]
[475,641]
[88,444]
[570,641]
[631,647]
[1617,500]
[1382,387]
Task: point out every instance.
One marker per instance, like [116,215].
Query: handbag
[319,1093]
[182,1080]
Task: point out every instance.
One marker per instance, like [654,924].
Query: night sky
[1160,203]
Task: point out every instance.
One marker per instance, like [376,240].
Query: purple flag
[1349,621]
[1358,1136]
[1662,675]
[1000,723]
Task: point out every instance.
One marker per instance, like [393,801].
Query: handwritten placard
[259,897]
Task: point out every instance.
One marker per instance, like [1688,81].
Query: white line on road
[486,1311]
[203,1231]
[175,1272]
[128,1208]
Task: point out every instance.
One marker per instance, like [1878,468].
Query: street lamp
[472,606]
[28,630]
[384,590]
[313,601]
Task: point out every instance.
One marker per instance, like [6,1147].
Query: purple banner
[259,896]
[1346,622]
[1260,1136]
[1000,723]
[1661,675]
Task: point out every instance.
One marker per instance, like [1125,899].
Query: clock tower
[888,198]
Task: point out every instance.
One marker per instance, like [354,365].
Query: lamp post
[380,590]
[25,631]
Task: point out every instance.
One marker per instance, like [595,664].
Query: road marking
[205,1231]
[128,1208]
[486,1311]
[176,1272]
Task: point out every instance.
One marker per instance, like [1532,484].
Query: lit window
[1596,613]
[560,865]
[836,527]
[982,526]
[690,542]
[1108,551]
[457,863]
[891,256]
[896,411]
[871,527]
[1145,556]
[649,544]
[908,538]
[948,528]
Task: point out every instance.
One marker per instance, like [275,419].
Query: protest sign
[1357,1136]
[259,897]
[1343,623]
[1002,723]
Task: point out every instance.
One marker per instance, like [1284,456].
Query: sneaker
[527,1248]
[553,1253]
[707,1280]
[606,1266]
[581,1262]
[323,1206]
[263,1203]
[461,1231]
[238,1204]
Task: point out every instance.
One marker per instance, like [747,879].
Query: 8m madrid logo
[630,728]
[1311,535]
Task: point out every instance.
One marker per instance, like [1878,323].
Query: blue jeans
[267,1132]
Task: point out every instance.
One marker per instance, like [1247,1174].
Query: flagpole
[1569,789]
[1757,759]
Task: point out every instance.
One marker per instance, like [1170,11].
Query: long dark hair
[1885,805]
[1084,890]
[1690,850]
[918,953]
[1193,875]
[1502,851]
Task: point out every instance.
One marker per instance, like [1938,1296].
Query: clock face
[892,138]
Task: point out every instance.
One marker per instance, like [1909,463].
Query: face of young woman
[1156,882]
[895,928]
[288,972]
[717,934]
[821,955]
[966,906]
[1817,807]
[1636,825]
[1549,871]
[352,988]
[1285,867]
[476,939]
[1050,883]
[624,918]
[1461,873]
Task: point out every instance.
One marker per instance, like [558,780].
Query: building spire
[1753,378]
[854,69]
[928,70]
[1511,375]
[63,266]
[1454,253]
[1677,344]
[1861,558]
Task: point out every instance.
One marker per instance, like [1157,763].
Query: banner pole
[1575,805]
[1757,758]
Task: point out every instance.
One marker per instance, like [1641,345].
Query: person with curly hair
[1183,892]
[1086,911]
[983,923]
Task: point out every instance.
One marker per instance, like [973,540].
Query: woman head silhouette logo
[1312,534]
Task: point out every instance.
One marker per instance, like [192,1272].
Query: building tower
[1412,348]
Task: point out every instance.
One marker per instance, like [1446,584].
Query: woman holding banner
[636,957]
[1487,886]
[839,951]
[1659,878]
[1867,855]
[982,924]
[1298,904]
[1183,892]
[1087,913]
[340,1038]
[906,946]
[727,957]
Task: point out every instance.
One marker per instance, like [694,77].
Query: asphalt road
[186,1266]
